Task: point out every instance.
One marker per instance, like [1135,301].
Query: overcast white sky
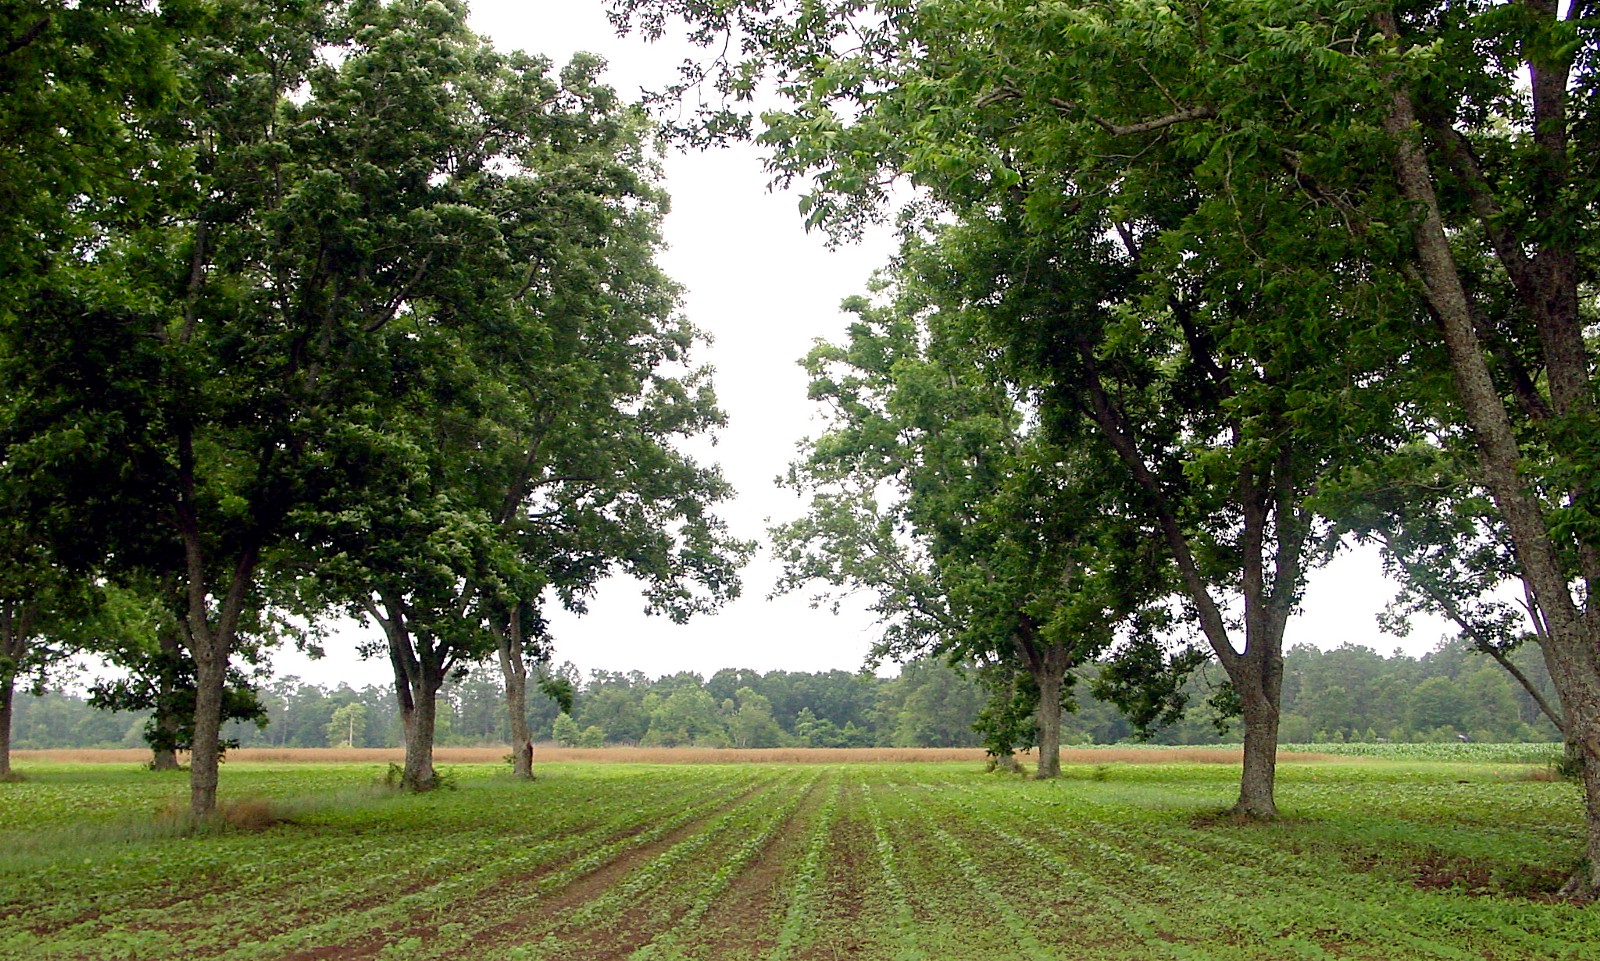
[765,290]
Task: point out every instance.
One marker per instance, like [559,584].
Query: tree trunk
[1591,800]
[1048,665]
[165,758]
[210,642]
[205,751]
[418,720]
[1258,781]
[14,631]
[418,674]
[1257,672]
[1568,639]
[515,670]
[1577,679]
[8,692]
[1048,717]
[1591,797]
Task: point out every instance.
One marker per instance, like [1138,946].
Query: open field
[690,755]
[1376,858]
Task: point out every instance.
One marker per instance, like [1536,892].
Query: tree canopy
[385,332]
[1332,208]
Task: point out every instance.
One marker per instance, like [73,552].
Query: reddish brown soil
[741,924]
[490,906]
[748,917]
[530,922]
[851,874]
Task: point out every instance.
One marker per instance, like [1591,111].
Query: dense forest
[1352,693]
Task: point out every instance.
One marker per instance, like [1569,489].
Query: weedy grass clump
[444,779]
[233,814]
[252,814]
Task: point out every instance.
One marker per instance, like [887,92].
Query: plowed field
[778,861]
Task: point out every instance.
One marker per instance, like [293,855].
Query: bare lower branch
[1183,115]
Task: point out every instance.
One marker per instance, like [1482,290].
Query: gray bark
[210,642]
[417,680]
[1049,723]
[418,720]
[1048,665]
[1260,697]
[15,627]
[1568,640]
[8,691]
[514,668]
[205,753]
[1269,501]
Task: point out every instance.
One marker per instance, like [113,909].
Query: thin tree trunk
[210,642]
[1419,578]
[205,751]
[417,679]
[8,692]
[514,668]
[1256,673]
[1532,690]
[15,627]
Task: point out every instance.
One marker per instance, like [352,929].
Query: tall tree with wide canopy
[935,491]
[588,480]
[525,440]
[1109,264]
[217,368]
[1435,162]
[1441,154]
[1499,175]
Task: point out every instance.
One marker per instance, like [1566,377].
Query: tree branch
[26,37]
[1186,114]
[1420,578]
[377,323]
[1114,427]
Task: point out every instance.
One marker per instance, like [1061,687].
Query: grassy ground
[1376,858]
[1137,754]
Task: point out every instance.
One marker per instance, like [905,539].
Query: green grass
[1375,858]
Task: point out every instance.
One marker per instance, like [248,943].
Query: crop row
[790,863]
[1469,752]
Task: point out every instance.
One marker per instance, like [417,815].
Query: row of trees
[1351,693]
[320,308]
[1239,280]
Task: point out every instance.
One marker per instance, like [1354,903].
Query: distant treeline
[1351,693]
